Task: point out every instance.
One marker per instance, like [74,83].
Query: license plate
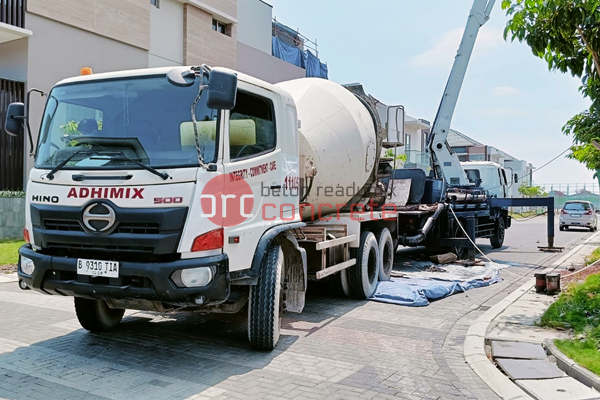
[576,215]
[109,269]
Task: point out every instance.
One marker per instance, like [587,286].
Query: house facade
[43,42]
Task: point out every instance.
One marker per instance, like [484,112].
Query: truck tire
[386,253]
[96,315]
[266,301]
[497,239]
[362,277]
[339,283]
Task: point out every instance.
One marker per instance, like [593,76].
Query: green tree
[585,128]
[532,191]
[565,33]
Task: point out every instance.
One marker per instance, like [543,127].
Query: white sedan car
[578,214]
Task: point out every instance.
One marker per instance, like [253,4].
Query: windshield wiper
[62,164]
[120,156]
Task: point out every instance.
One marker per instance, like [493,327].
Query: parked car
[578,214]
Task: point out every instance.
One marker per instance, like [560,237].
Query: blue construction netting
[303,59]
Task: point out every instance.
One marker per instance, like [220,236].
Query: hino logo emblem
[99,217]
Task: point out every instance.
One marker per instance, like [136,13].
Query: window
[155,3]
[221,27]
[407,143]
[146,118]
[251,127]
[577,206]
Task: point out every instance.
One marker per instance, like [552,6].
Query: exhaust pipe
[419,237]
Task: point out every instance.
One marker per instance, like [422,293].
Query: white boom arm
[445,163]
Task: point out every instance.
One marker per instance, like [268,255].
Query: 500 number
[168,200]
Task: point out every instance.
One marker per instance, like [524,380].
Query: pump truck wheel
[96,315]
[497,239]
[266,301]
[386,253]
[362,276]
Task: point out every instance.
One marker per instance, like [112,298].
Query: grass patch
[524,215]
[9,251]
[592,258]
[583,352]
[578,307]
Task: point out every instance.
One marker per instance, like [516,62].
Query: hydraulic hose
[419,237]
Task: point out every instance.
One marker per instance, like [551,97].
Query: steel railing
[12,12]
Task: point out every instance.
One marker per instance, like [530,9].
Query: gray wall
[266,67]
[58,51]
[12,217]
[13,60]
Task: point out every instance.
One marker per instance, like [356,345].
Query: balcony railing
[12,12]
[418,159]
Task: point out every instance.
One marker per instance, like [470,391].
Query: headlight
[27,265]
[196,277]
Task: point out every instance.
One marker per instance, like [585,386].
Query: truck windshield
[146,119]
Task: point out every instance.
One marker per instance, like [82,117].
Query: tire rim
[387,258]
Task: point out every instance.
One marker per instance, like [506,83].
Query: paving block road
[337,348]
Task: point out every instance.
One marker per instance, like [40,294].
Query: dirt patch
[8,268]
[578,276]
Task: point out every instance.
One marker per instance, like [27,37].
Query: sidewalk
[508,334]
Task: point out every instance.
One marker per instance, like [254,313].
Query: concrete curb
[474,349]
[571,368]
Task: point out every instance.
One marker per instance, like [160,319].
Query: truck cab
[134,170]
[488,175]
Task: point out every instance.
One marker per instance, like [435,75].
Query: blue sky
[402,52]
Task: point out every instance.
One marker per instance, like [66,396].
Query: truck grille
[91,247]
[140,228]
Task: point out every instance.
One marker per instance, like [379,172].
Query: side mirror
[222,89]
[15,117]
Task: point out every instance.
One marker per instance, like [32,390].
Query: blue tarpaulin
[314,67]
[288,53]
[416,292]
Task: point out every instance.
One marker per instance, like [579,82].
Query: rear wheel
[562,228]
[566,228]
[362,277]
[96,315]
[386,253]
[497,240]
[266,301]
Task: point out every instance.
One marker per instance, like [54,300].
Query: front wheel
[96,315]
[266,301]
[497,240]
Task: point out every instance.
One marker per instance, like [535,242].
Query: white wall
[254,24]
[264,66]
[166,34]
[13,60]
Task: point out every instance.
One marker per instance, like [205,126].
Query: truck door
[252,154]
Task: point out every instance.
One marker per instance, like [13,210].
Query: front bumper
[146,281]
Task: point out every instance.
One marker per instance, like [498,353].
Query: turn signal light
[209,241]
[86,71]
[26,235]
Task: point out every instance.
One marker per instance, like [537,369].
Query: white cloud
[444,50]
[505,91]
[501,112]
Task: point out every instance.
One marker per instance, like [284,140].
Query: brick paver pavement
[337,348]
